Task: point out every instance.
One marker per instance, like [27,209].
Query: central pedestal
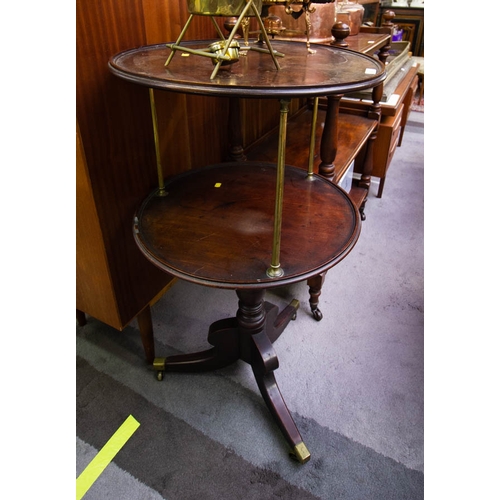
[249,337]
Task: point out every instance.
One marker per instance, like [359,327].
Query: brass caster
[296,304]
[159,366]
[300,453]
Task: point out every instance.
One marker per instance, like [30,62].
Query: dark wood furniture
[353,132]
[374,42]
[114,282]
[395,109]
[399,89]
[223,225]
[331,159]
[326,69]
[411,21]
[395,105]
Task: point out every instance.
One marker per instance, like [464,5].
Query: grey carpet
[353,382]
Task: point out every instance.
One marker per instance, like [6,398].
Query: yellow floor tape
[95,468]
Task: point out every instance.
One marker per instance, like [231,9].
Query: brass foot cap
[159,363]
[300,453]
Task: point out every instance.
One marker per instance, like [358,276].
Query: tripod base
[248,336]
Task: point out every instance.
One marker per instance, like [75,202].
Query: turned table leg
[315,284]
[236,151]
[329,138]
[145,324]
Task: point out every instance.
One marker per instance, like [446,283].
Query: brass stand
[227,51]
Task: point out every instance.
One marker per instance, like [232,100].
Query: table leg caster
[317,314]
[315,284]
[300,453]
[159,366]
[362,213]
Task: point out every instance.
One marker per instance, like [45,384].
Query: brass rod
[275,270]
[181,36]
[266,51]
[231,36]
[161,182]
[264,34]
[313,138]
[199,52]
[216,70]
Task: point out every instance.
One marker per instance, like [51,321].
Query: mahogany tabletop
[367,42]
[215,225]
[329,70]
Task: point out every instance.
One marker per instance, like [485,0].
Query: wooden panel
[261,116]
[387,135]
[408,99]
[256,117]
[164,20]
[162,26]
[173,132]
[117,136]
[94,293]
[209,129]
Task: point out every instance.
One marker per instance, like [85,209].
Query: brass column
[275,270]
[161,182]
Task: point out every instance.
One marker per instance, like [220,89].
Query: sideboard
[394,108]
